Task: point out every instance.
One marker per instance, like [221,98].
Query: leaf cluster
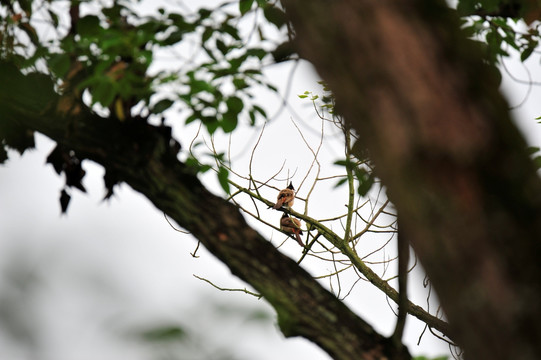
[502,25]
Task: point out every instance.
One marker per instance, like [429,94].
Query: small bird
[291,226]
[286,197]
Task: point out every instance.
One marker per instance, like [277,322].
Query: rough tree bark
[140,155]
[455,166]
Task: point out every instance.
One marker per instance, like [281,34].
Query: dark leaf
[3,154]
[204,13]
[64,200]
[161,106]
[74,175]
[211,123]
[163,334]
[234,104]
[346,163]
[231,30]
[224,49]
[54,18]
[88,26]
[191,118]
[110,179]
[251,113]
[283,52]
[257,52]
[526,53]
[229,121]
[207,33]
[31,32]
[341,182]
[466,7]
[56,159]
[366,180]
[59,64]
[260,110]
[16,136]
[104,92]
[275,16]
[245,6]
[174,37]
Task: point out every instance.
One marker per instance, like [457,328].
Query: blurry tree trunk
[440,135]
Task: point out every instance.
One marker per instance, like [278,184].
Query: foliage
[104,60]
[502,26]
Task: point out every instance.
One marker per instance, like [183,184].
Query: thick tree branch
[456,168]
[140,155]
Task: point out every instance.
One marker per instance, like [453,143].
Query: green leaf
[260,110]
[234,104]
[88,26]
[173,38]
[104,93]
[275,16]
[163,334]
[257,52]
[245,6]
[239,83]
[526,53]
[346,163]
[59,64]
[16,137]
[490,5]
[161,106]
[366,180]
[204,13]
[30,31]
[251,114]
[466,7]
[231,116]
[229,121]
[211,123]
[231,30]
[224,49]
[223,175]
[207,33]
[341,182]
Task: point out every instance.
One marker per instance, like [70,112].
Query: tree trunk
[467,194]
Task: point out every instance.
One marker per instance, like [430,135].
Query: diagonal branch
[140,155]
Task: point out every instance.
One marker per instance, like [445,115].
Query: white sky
[76,284]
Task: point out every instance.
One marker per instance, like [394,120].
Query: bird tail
[298,237]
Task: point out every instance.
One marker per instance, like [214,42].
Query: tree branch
[140,155]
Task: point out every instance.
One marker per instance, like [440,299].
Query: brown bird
[291,226]
[286,197]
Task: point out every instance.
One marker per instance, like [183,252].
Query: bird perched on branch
[291,226]
[286,197]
